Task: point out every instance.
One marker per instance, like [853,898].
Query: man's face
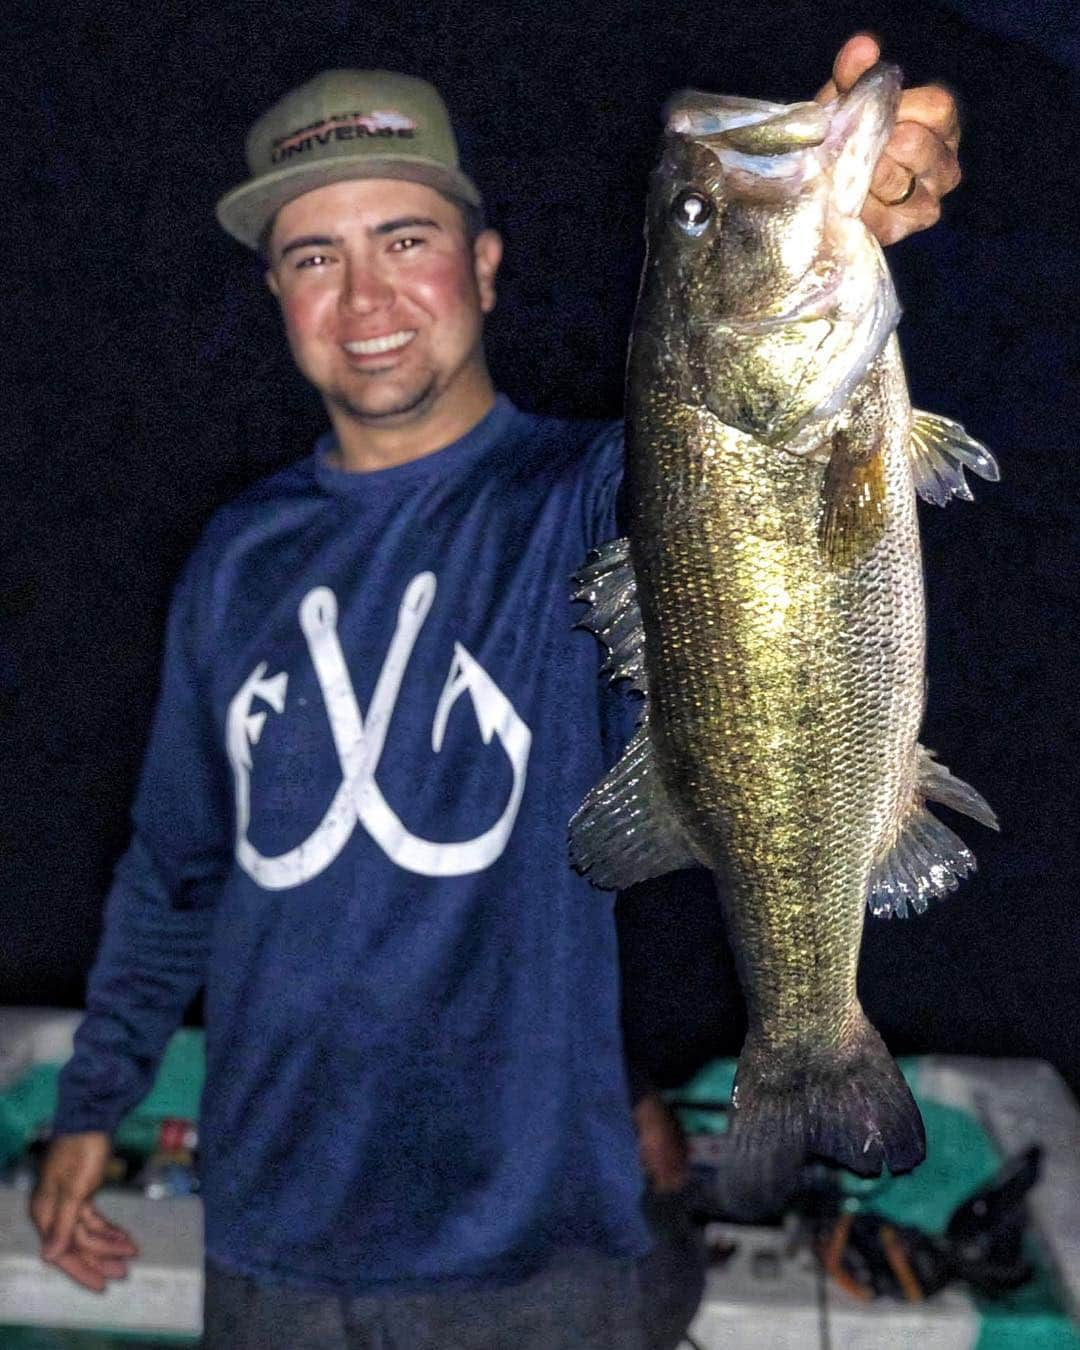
[383,297]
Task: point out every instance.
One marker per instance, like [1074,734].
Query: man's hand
[921,150]
[661,1145]
[75,1237]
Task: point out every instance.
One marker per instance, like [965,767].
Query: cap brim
[247,210]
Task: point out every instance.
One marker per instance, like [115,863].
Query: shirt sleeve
[160,907]
[606,475]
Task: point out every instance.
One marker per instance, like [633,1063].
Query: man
[374,722]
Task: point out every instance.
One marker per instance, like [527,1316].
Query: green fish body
[769,603]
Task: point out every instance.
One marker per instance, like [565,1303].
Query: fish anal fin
[625,830]
[854,507]
[926,859]
[940,450]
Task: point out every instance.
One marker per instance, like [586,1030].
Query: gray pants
[672,1276]
[586,1302]
[583,1302]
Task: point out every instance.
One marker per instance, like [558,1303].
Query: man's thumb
[857,55]
[854,58]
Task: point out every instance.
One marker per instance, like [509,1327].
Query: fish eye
[692,211]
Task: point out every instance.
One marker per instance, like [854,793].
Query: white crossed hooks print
[359,741]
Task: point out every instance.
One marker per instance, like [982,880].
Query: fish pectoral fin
[607,584]
[853,503]
[940,449]
[927,858]
[625,830]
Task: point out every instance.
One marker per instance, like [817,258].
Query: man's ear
[272,283]
[487,254]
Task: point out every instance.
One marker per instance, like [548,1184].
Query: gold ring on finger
[908,192]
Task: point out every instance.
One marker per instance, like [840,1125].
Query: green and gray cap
[344,124]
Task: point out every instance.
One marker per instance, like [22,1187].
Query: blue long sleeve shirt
[375,720]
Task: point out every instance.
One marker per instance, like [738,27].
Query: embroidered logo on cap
[347,126]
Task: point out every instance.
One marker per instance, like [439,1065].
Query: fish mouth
[761,130]
[376,346]
[769,149]
[748,126]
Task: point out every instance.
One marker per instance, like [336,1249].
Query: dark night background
[148,381]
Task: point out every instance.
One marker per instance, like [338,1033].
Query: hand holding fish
[919,163]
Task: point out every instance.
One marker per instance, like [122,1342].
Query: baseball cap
[344,124]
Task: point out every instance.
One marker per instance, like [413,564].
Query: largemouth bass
[768,602]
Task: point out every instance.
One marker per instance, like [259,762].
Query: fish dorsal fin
[625,830]
[606,584]
[927,859]
[940,449]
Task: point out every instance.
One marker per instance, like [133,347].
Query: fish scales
[774,548]
[773,735]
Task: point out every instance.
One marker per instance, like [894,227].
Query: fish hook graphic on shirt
[359,741]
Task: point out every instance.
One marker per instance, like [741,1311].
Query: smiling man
[375,721]
[383,294]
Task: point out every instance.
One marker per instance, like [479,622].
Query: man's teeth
[373,346]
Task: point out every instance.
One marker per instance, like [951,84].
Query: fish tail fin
[849,1106]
